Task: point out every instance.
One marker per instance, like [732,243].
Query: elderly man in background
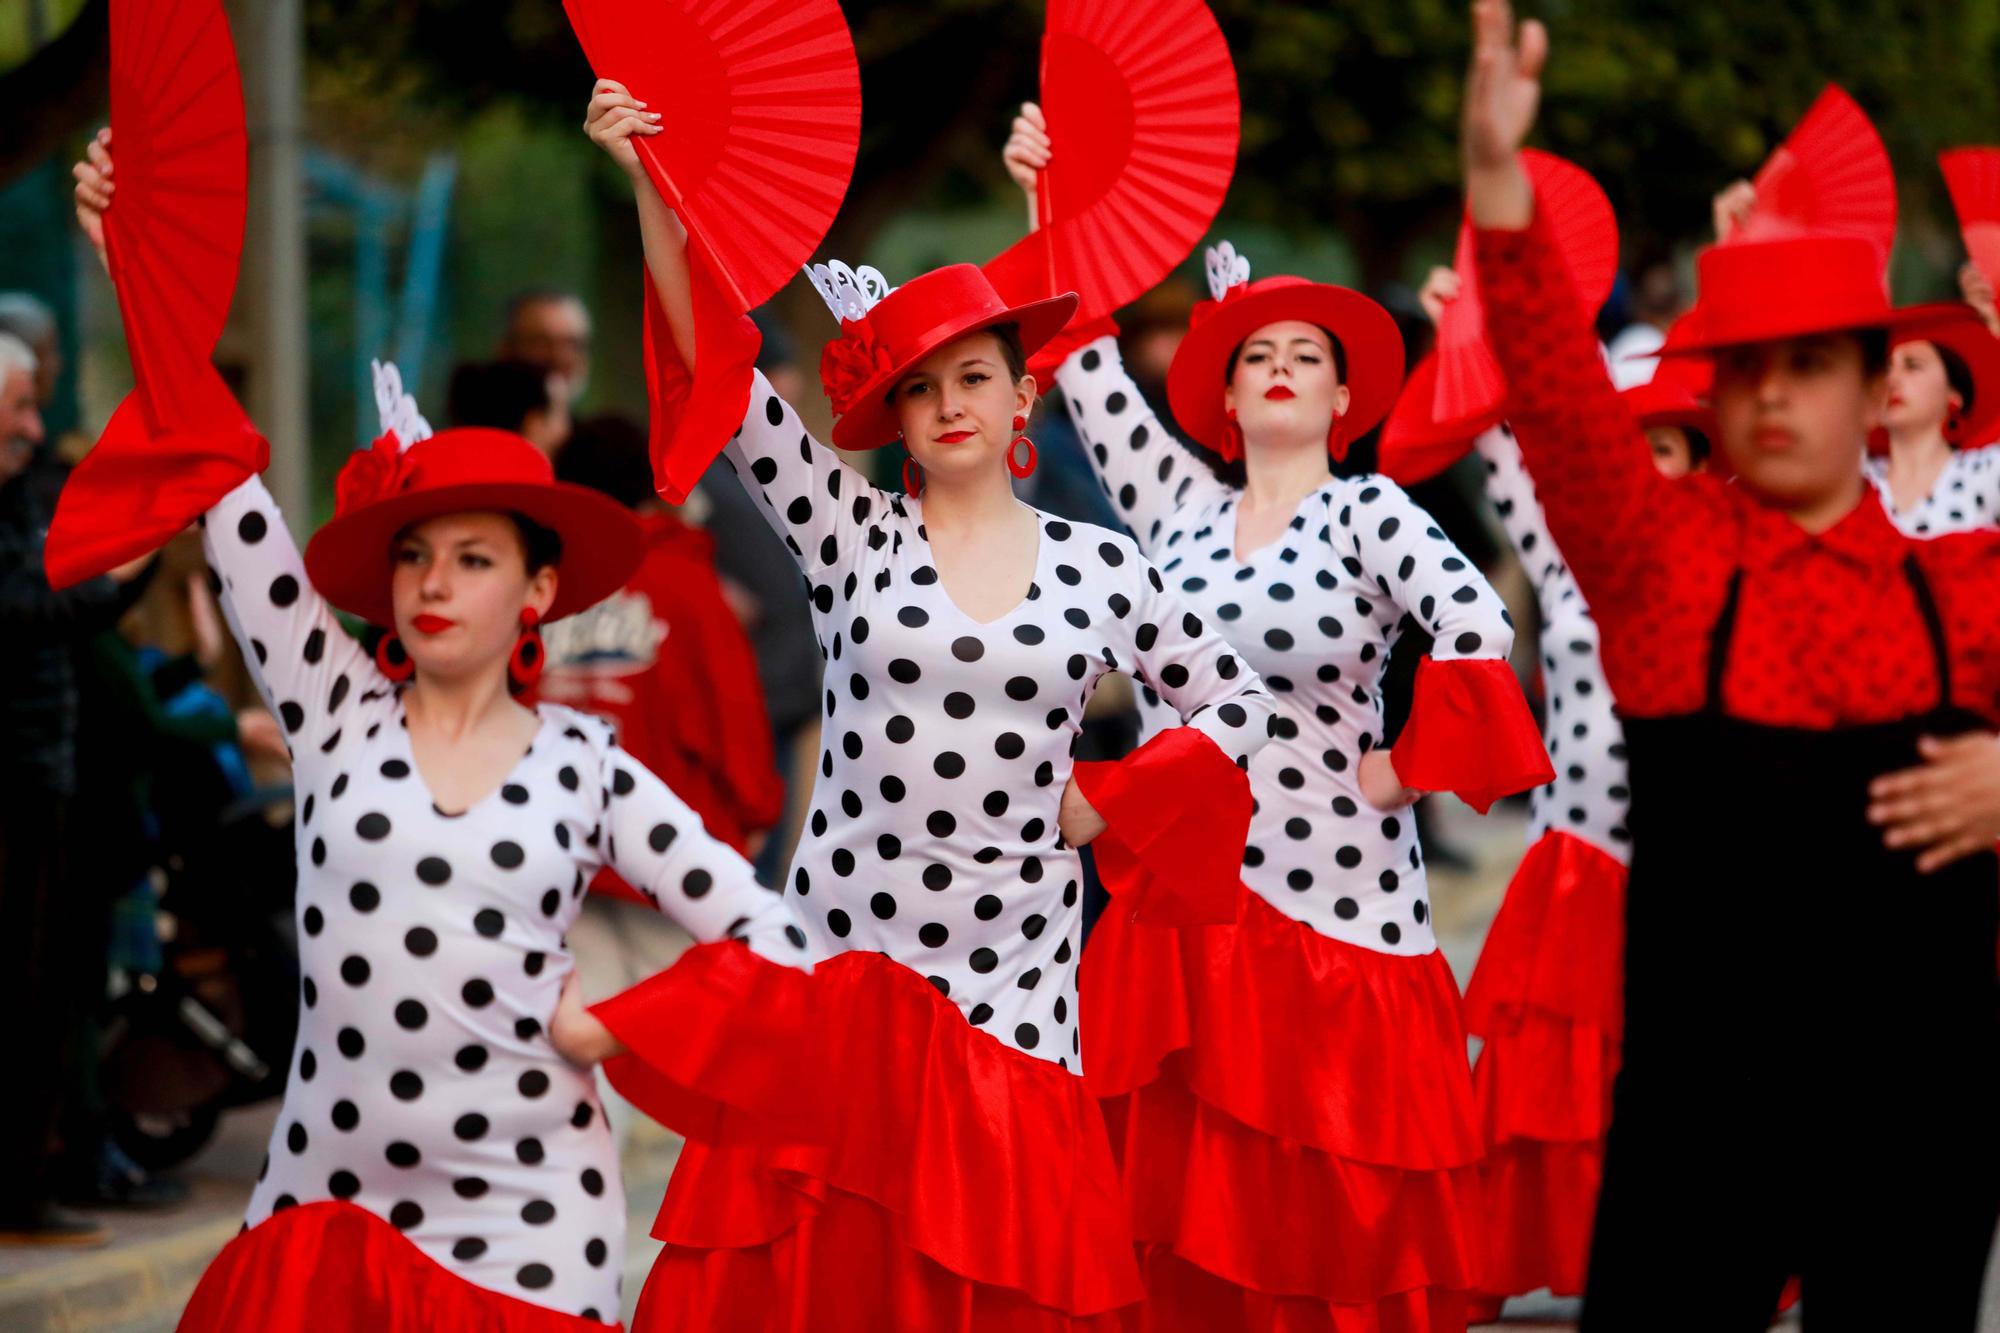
[39,949]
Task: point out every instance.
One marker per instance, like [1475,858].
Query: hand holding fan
[1831,174]
[174,240]
[1973,177]
[761,103]
[1143,119]
[761,100]
[1469,384]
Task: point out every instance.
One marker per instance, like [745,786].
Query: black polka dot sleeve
[307,667]
[1145,470]
[819,505]
[1386,538]
[1512,492]
[657,843]
[1183,659]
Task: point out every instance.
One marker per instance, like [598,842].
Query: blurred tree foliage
[1350,108]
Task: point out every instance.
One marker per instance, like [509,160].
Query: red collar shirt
[1829,632]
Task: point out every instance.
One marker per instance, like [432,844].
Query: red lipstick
[430,624]
[954,437]
[1278,393]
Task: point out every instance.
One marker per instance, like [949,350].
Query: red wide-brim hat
[1957,327]
[1760,291]
[858,369]
[1369,340]
[1415,445]
[383,490]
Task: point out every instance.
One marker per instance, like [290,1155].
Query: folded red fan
[1831,174]
[1973,177]
[1143,125]
[1469,382]
[174,241]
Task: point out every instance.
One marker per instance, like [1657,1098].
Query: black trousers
[41,950]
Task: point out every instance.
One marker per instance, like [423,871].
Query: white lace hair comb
[1226,269]
[850,293]
[397,408]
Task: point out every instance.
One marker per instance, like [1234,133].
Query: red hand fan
[1973,177]
[174,239]
[1831,174]
[761,100]
[1143,126]
[1469,382]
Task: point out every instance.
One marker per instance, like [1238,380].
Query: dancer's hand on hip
[1947,807]
[576,1033]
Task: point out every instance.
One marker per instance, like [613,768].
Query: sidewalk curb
[114,1293]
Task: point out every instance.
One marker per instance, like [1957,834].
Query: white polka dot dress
[1965,498]
[947,742]
[1315,613]
[424,1088]
[1588,798]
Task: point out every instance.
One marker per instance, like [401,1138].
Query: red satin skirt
[952,1183]
[1294,1122]
[335,1268]
[1547,998]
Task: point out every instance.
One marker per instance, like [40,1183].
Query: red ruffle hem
[1547,998]
[1470,731]
[335,1268]
[955,1184]
[1294,1119]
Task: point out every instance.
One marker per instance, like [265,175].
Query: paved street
[138,1284]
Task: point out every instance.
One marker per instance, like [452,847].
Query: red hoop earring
[1231,444]
[913,478]
[524,664]
[1025,468]
[1335,445]
[392,660]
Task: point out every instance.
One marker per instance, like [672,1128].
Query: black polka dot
[933,935]
[406,1084]
[284,590]
[411,1015]
[508,855]
[490,922]
[407,1215]
[883,906]
[465,1251]
[470,1127]
[434,871]
[402,1154]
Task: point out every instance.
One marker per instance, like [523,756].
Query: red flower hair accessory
[849,363]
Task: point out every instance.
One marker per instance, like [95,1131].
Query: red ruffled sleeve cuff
[1177,812]
[695,413]
[1470,732]
[719,1036]
[138,488]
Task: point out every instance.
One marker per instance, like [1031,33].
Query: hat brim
[871,422]
[1957,327]
[1415,446]
[1369,339]
[1687,339]
[348,560]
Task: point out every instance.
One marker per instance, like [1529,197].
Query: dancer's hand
[93,190]
[1078,820]
[1440,289]
[1380,787]
[1949,805]
[1731,208]
[1977,289]
[576,1033]
[1027,154]
[613,117]
[1503,93]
